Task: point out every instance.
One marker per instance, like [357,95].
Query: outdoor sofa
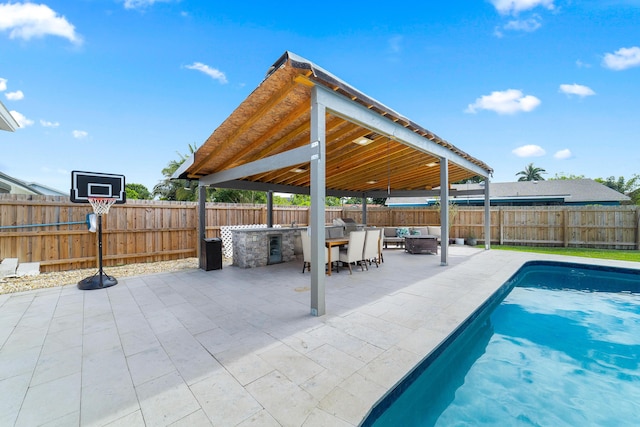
[396,235]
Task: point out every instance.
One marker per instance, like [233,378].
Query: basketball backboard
[96,184]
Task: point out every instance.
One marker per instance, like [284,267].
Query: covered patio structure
[305,131]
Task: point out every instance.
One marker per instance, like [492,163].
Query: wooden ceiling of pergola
[275,118]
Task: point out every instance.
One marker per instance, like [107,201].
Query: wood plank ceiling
[275,118]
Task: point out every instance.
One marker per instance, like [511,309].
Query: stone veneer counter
[251,245]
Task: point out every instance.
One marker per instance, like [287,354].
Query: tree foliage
[563,177]
[531,173]
[473,180]
[304,200]
[621,184]
[358,201]
[227,195]
[177,189]
[137,191]
[187,190]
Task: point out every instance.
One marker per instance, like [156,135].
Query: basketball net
[101,205]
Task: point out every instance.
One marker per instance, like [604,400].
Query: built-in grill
[275,249]
[258,247]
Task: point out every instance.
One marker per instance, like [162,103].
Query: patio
[234,347]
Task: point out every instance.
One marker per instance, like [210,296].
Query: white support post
[318,177]
[202,225]
[487,215]
[444,211]
[364,208]
[269,209]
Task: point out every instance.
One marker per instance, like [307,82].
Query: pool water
[559,345]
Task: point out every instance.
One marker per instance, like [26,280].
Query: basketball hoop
[101,205]
[102,190]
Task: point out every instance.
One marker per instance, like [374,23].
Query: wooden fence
[605,227]
[52,230]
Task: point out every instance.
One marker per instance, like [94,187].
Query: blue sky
[122,86]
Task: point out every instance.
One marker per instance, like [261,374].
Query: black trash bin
[211,254]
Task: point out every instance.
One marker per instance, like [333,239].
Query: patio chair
[353,253]
[371,246]
[306,252]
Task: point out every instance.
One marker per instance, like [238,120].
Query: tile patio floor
[234,347]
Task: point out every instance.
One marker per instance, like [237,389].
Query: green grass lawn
[582,252]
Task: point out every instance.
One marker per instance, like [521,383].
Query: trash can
[211,258]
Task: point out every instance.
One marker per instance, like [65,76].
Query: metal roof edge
[7,121]
[20,183]
[325,77]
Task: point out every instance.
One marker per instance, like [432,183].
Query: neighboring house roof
[567,191]
[13,185]
[7,122]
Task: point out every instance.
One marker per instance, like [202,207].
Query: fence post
[501,224]
[638,228]
[565,226]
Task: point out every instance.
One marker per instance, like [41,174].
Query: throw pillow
[402,231]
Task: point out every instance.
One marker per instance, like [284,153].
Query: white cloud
[27,20]
[211,72]
[507,7]
[510,101]
[140,4]
[526,25]
[14,96]
[21,119]
[529,151]
[622,58]
[563,154]
[47,124]
[3,84]
[80,134]
[581,64]
[576,89]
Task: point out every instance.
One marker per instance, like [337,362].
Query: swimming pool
[558,344]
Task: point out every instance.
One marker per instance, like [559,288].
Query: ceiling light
[373,181]
[363,140]
[432,164]
[297,170]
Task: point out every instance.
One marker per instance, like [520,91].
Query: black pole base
[93,282]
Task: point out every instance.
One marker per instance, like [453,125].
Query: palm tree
[531,173]
[186,190]
[177,189]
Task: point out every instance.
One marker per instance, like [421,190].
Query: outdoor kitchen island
[257,247]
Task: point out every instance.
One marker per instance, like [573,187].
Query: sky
[126,86]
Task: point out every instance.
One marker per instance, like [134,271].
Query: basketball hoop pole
[100,271]
[100,279]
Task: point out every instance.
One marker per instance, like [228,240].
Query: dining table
[331,242]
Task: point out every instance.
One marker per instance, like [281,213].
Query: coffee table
[421,244]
